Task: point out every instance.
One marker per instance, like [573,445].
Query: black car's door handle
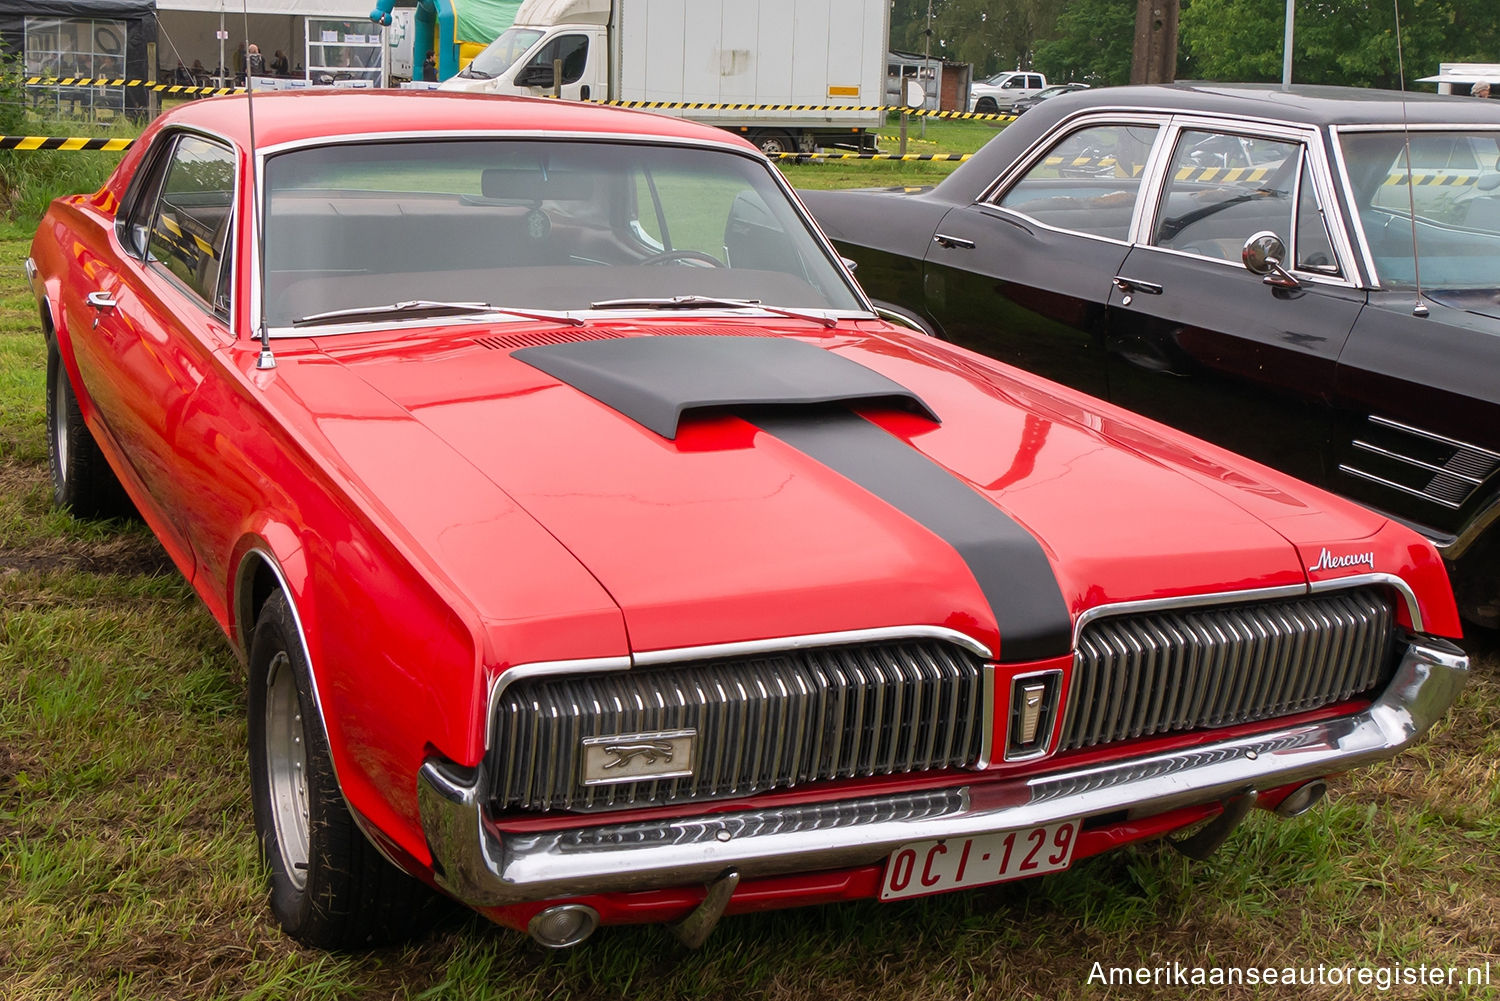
[1136,285]
[952,242]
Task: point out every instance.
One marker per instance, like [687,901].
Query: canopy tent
[81,38]
[189,31]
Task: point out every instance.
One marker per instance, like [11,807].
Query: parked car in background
[1238,261]
[598,555]
[1027,103]
[1001,91]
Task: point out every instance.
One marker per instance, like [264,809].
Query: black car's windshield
[1454,189]
[532,225]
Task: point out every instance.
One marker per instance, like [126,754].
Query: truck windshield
[1453,188]
[529,224]
[501,54]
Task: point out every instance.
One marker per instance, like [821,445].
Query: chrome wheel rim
[60,421]
[286,769]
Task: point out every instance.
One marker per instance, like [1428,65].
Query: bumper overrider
[485,867]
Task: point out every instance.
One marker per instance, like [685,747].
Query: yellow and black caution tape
[1434,180]
[909,139]
[65,143]
[102,81]
[954,157]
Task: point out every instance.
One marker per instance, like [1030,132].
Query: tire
[773,141]
[329,887]
[986,106]
[82,481]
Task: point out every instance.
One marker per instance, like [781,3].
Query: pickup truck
[1003,89]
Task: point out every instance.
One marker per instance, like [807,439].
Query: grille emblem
[638,757]
[1033,710]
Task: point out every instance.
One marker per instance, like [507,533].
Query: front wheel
[986,106]
[330,888]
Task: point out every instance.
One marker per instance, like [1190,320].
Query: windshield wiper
[711,302]
[419,308]
[470,73]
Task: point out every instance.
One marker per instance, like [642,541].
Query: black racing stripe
[1009,564]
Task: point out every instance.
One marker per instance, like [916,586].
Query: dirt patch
[125,556]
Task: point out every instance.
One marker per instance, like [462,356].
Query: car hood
[744,520]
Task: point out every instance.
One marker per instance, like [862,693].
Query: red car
[598,555]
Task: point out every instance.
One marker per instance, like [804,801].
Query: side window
[190,231]
[573,50]
[133,223]
[1034,83]
[1314,249]
[1222,188]
[1013,83]
[1088,183]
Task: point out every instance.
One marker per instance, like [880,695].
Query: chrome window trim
[1337,132]
[260,154]
[988,199]
[747,648]
[1393,581]
[1323,187]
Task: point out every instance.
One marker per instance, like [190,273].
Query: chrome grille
[762,723]
[1158,672]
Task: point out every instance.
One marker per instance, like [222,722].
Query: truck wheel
[81,478]
[330,888]
[987,106]
[773,141]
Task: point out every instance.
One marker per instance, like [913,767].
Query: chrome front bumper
[484,868]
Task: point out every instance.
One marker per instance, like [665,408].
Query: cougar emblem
[649,750]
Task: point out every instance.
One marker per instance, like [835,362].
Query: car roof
[1305,105]
[291,116]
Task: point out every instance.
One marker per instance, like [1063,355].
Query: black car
[1237,260]
[1025,104]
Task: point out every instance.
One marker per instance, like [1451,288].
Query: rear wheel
[81,478]
[774,141]
[330,888]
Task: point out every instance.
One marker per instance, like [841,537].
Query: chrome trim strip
[987,717]
[1345,468]
[1399,585]
[747,648]
[1433,436]
[1184,601]
[750,648]
[485,867]
[543,669]
[1471,534]
[1351,211]
[1365,446]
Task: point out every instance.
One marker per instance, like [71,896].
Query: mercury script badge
[1328,561]
[638,757]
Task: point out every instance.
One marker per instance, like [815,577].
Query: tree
[1091,43]
[991,34]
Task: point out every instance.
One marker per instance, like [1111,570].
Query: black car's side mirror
[1263,253]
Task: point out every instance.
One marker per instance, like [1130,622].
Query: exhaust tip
[1302,799]
[563,926]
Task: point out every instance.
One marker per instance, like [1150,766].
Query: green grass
[127,868]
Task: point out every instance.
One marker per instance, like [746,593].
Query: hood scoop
[654,381]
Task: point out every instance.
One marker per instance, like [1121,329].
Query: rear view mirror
[1263,253]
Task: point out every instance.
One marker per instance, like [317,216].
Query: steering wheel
[670,256]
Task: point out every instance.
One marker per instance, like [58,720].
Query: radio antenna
[265,360]
[1419,308]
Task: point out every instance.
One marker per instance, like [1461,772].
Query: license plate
[924,867]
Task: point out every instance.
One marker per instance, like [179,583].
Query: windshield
[1455,191]
[533,225]
[501,54]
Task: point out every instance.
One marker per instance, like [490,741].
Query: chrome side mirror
[1263,253]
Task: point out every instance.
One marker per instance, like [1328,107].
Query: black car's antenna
[1419,308]
[266,360]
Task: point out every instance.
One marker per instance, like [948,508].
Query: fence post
[903,131]
[151,100]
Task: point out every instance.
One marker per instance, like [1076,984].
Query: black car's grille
[1165,671]
[761,723]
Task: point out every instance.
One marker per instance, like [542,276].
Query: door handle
[1128,285]
[952,242]
[100,300]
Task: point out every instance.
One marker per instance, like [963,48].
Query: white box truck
[819,53]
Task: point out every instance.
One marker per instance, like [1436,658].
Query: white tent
[188,29]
